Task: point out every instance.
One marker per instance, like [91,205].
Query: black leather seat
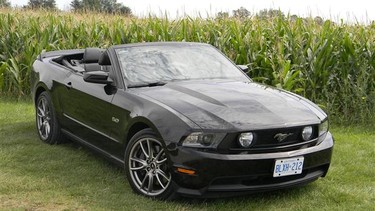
[91,59]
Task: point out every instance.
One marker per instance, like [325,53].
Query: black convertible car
[181,118]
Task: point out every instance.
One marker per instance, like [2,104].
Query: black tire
[148,175]
[47,126]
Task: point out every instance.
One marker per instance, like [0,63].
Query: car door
[87,111]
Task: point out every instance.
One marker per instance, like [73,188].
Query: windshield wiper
[158,83]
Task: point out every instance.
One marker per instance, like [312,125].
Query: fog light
[307,133]
[246,139]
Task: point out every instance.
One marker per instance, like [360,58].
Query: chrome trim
[327,144]
[282,136]
[93,129]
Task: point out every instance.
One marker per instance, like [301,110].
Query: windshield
[162,63]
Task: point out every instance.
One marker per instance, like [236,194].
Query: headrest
[92,67]
[104,59]
[91,55]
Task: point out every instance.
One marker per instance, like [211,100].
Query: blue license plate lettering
[288,166]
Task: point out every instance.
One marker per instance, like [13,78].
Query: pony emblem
[282,136]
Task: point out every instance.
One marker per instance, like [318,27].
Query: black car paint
[85,110]
[232,106]
[105,122]
[240,169]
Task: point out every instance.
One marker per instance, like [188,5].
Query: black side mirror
[244,68]
[98,77]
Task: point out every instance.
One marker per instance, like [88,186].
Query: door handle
[68,85]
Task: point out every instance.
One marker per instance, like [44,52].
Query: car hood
[233,105]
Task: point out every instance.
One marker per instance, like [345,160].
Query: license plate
[288,166]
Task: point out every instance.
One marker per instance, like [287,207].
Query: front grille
[267,141]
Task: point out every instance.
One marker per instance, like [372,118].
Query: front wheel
[146,166]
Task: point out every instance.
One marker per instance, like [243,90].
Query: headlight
[203,140]
[307,133]
[246,139]
[323,129]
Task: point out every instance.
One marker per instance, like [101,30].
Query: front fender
[167,122]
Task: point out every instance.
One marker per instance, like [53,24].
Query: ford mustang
[181,118]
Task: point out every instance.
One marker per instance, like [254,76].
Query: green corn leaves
[331,64]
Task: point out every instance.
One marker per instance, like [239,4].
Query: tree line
[113,7]
[105,6]
[242,13]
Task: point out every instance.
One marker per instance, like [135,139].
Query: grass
[37,176]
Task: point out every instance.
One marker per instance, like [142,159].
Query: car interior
[92,59]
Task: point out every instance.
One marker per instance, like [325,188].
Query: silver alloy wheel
[43,119]
[148,167]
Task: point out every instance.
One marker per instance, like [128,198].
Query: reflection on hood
[218,104]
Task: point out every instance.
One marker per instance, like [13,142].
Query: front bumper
[220,175]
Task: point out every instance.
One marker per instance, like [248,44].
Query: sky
[349,10]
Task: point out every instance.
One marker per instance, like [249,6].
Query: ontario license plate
[288,166]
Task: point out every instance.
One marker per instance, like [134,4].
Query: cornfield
[331,64]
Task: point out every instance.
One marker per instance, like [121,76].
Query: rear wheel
[146,166]
[47,125]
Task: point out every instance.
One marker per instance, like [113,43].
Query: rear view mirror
[244,68]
